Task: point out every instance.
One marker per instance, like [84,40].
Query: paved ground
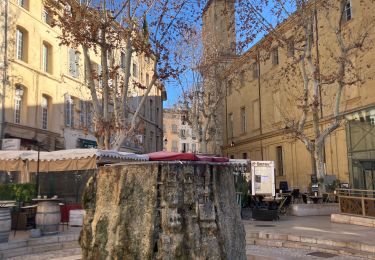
[22,234]
[314,226]
[254,252]
[67,254]
[272,253]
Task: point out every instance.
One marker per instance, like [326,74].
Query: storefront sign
[11,144]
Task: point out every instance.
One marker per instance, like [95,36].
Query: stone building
[45,97]
[256,102]
[178,134]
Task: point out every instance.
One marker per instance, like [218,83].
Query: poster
[263,176]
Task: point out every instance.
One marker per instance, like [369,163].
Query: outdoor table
[271,199]
[48,215]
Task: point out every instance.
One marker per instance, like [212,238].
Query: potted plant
[22,194]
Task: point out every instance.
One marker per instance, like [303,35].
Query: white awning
[63,160]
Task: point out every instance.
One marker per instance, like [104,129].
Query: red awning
[172,156]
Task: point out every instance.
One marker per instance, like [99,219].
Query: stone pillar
[162,211]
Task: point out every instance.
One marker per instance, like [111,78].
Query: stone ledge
[353,220]
[327,209]
[347,251]
[38,245]
[303,242]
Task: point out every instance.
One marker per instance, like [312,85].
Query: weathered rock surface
[162,211]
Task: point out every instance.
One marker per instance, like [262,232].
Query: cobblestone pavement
[273,253]
[66,254]
[260,253]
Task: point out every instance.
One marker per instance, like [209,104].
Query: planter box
[314,209]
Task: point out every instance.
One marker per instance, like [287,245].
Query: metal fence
[357,202]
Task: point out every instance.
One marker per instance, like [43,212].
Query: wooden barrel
[5,224]
[48,217]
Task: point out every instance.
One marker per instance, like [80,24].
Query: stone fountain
[162,210]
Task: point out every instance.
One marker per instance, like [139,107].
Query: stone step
[38,245]
[368,248]
[326,248]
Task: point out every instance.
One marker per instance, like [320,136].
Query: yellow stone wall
[274,96]
[57,83]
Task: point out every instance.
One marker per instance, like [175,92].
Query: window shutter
[76,64]
[71,62]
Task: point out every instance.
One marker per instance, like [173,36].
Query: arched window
[45,105]
[21,44]
[18,103]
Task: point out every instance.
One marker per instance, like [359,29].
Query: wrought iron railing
[357,202]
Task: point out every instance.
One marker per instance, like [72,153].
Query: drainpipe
[260,107]
[5,69]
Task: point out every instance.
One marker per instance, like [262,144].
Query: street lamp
[19,91]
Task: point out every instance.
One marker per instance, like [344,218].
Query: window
[183,133]
[18,104]
[242,79]
[244,156]
[23,3]
[122,61]
[290,48]
[151,110]
[73,63]
[230,86]
[69,112]
[47,58]
[147,79]
[44,112]
[82,113]
[243,120]
[46,17]
[174,129]
[151,147]
[275,56]
[174,146]
[279,161]
[184,147]
[135,70]
[255,70]
[157,115]
[193,148]
[230,130]
[21,44]
[347,11]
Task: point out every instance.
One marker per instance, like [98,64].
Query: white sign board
[263,178]
[11,144]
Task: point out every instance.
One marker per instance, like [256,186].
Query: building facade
[178,134]
[44,94]
[257,101]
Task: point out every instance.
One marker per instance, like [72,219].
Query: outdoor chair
[296,196]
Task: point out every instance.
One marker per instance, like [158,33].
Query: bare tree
[199,102]
[107,28]
[313,83]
